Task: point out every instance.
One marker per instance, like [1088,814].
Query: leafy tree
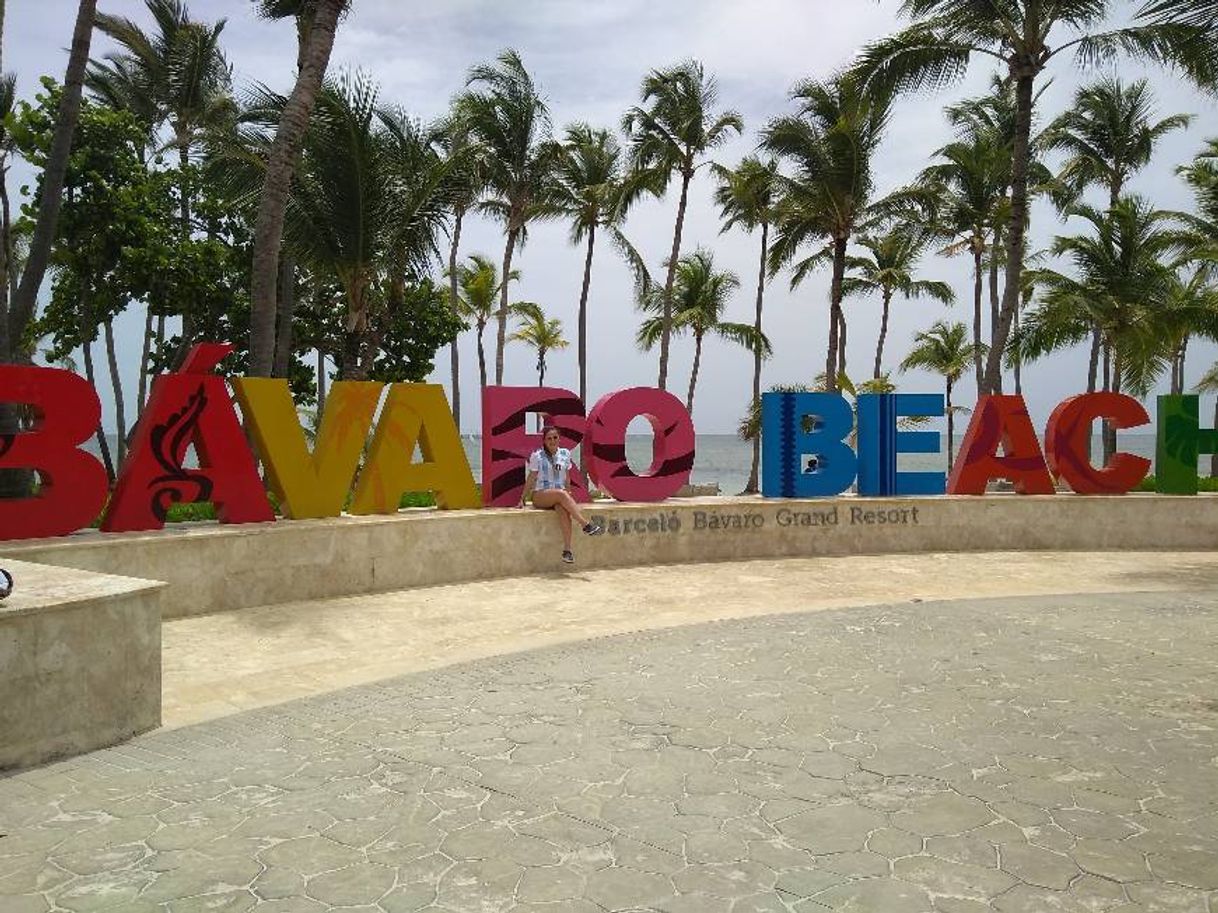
[1025,36]
[831,142]
[748,196]
[888,269]
[408,335]
[701,294]
[944,349]
[542,333]
[506,112]
[671,133]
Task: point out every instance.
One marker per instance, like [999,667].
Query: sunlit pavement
[1031,754]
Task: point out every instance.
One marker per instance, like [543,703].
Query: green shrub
[1203,484]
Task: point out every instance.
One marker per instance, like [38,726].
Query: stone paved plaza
[1028,755]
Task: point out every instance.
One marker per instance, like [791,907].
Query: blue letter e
[804,454]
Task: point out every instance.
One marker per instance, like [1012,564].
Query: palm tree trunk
[501,337]
[481,356]
[281,162]
[693,375]
[1018,363]
[6,263]
[321,384]
[670,279]
[26,299]
[1183,357]
[841,341]
[583,316]
[541,368]
[1109,427]
[951,428]
[285,317]
[1214,456]
[835,309]
[1017,229]
[753,485]
[145,355]
[116,384]
[103,445]
[995,298]
[454,304]
[977,293]
[879,347]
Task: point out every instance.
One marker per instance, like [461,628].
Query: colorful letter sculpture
[415,414]
[1000,421]
[672,448]
[190,407]
[308,485]
[1181,439]
[1069,432]
[879,442]
[506,445]
[799,425]
[73,483]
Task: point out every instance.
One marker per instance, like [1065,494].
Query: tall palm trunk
[753,485]
[25,300]
[1027,299]
[145,356]
[693,375]
[321,384]
[103,445]
[17,483]
[841,341]
[583,315]
[995,298]
[481,356]
[285,317]
[674,255]
[116,384]
[835,312]
[454,304]
[6,260]
[281,162]
[951,428]
[1017,228]
[541,367]
[977,293]
[879,346]
[501,335]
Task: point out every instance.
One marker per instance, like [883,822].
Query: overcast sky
[589,59]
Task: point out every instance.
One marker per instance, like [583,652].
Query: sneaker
[593,530]
[568,558]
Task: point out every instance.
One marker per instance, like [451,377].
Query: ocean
[724,459]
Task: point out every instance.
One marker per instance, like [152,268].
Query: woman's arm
[529,481]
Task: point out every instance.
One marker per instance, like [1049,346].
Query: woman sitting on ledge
[547,480]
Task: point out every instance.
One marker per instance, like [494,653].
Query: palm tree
[945,350]
[506,112]
[318,20]
[369,203]
[1108,134]
[1025,36]
[700,294]
[542,333]
[747,196]
[888,270]
[594,191]
[479,290]
[831,142]
[671,134]
[455,138]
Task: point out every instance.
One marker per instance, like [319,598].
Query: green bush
[1203,484]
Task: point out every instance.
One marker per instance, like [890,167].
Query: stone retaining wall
[211,568]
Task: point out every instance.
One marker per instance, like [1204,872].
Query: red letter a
[1000,421]
[190,407]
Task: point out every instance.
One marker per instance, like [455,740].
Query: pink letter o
[673,446]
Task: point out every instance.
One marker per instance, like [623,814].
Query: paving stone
[622,889]
[938,876]
[833,829]
[948,813]
[1035,866]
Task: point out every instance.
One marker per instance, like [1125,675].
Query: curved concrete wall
[211,568]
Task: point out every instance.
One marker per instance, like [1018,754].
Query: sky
[589,59]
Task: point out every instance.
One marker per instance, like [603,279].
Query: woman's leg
[568,504]
[554,500]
